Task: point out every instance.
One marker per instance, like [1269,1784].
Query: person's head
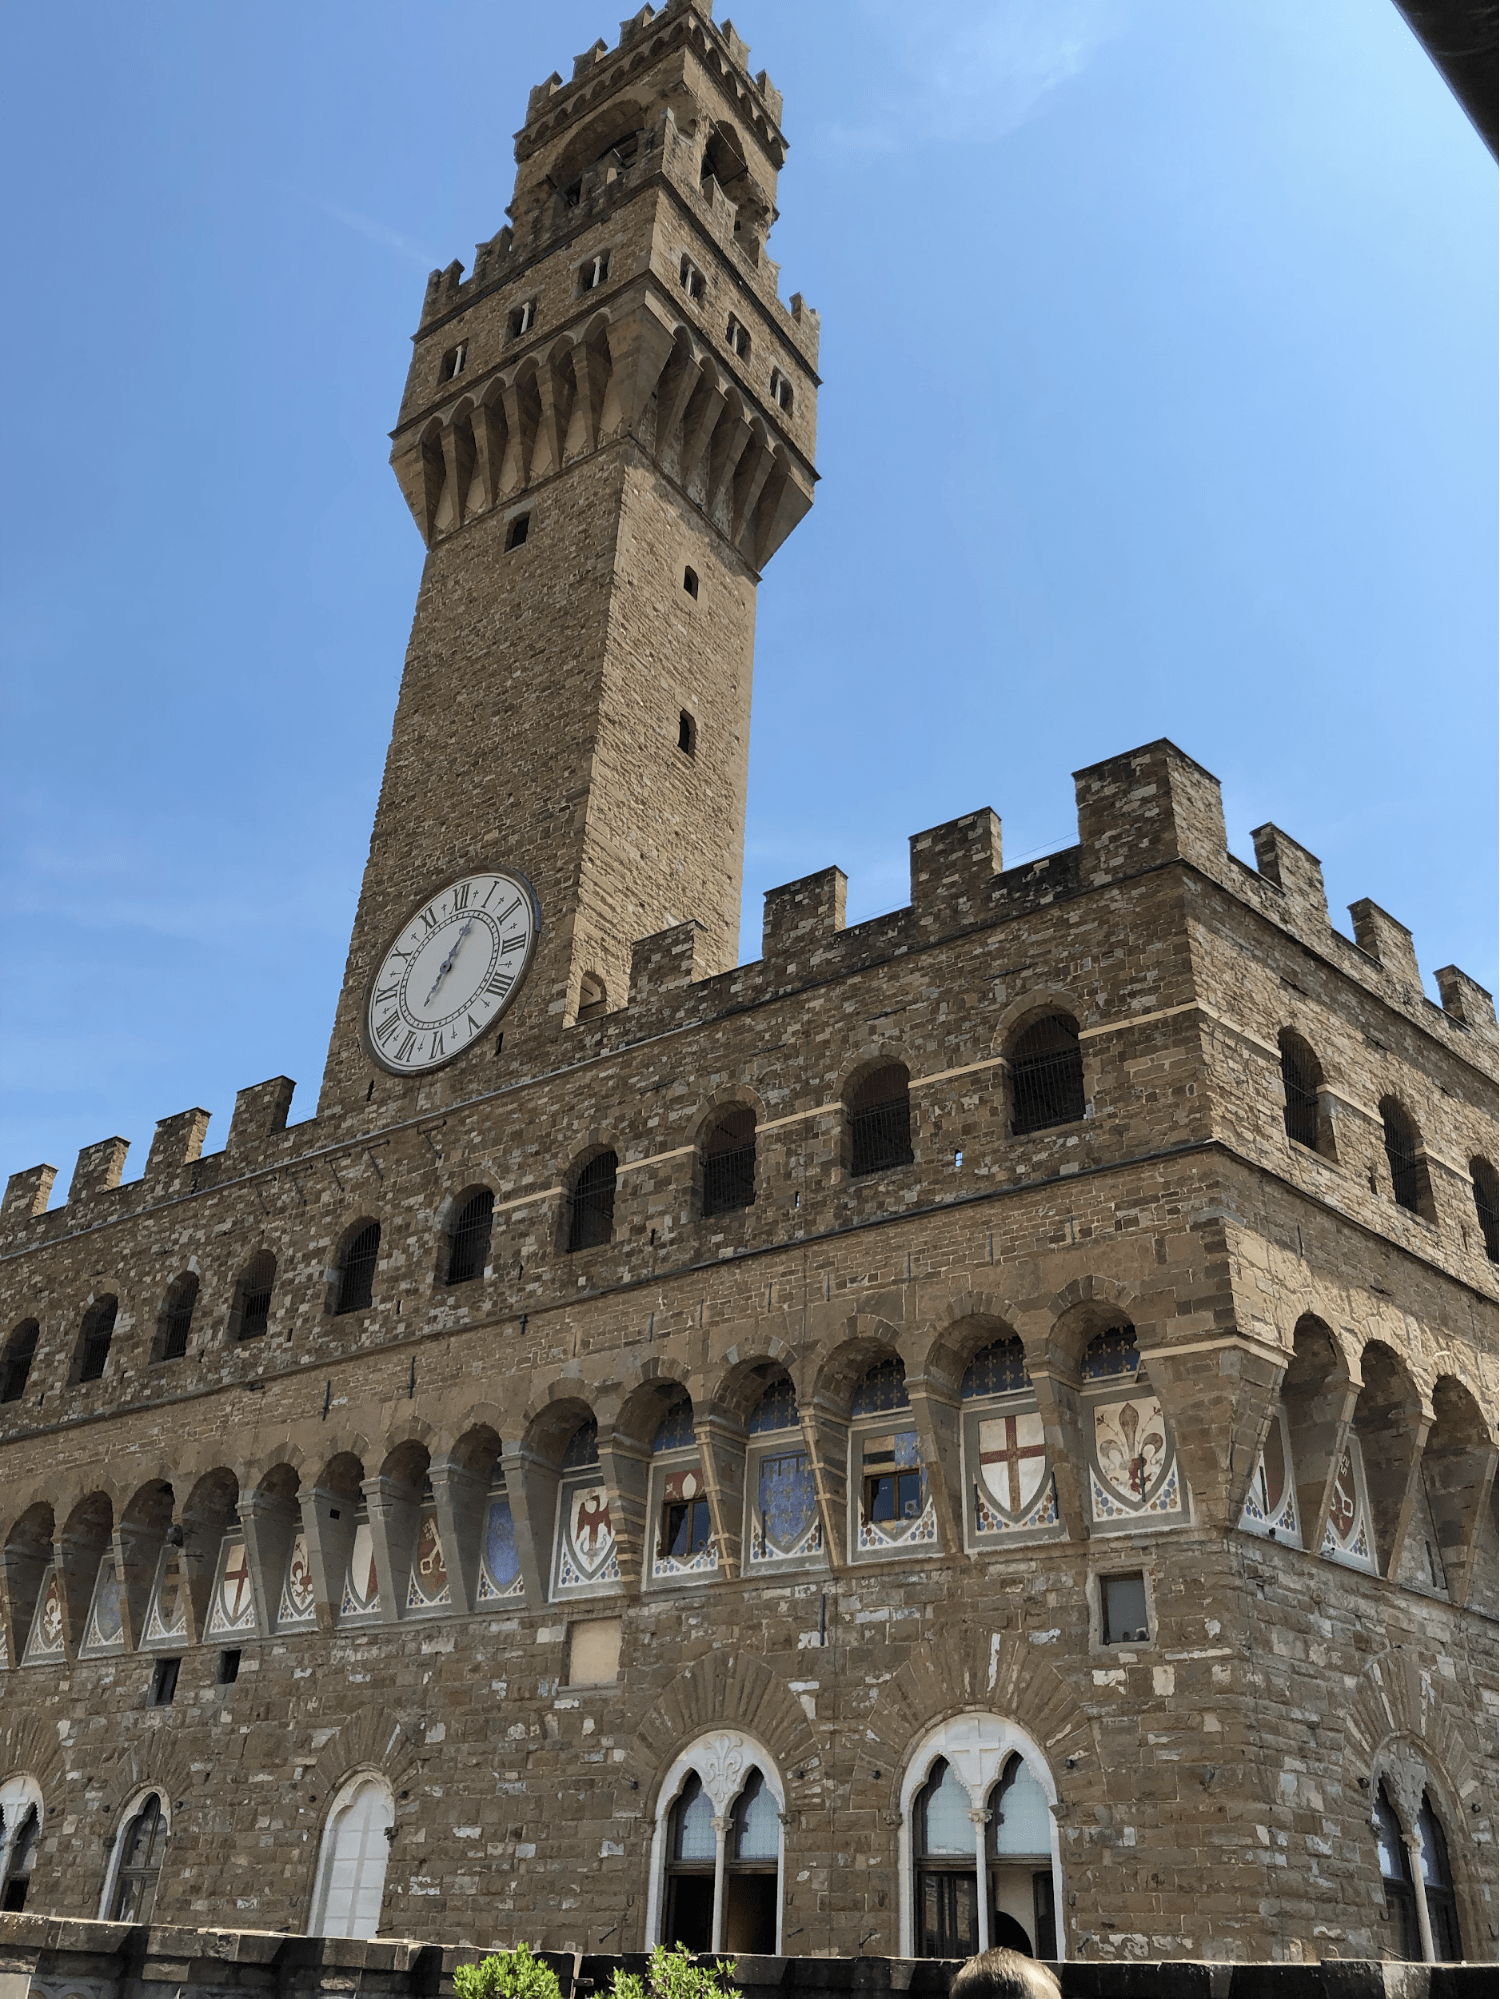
[1004,1974]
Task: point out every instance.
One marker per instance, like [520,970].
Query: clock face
[451,972]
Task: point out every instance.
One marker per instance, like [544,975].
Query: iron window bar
[1301,1101]
[96,1341]
[591,1216]
[177,1321]
[1486,1207]
[357,1283]
[471,1239]
[729,1179]
[880,1136]
[1047,1090]
[1402,1157]
[18,1359]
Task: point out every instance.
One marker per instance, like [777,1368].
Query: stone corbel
[328,1522]
[750,479]
[270,1523]
[640,346]
[458,1497]
[1063,1426]
[1319,1418]
[627,1476]
[515,466]
[457,472]
[531,1485]
[394,1511]
[730,440]
[590,377]
[1458,1492]
[699,425]
[491,431]
[677,389]
[938,1418]
[557,408]
[137,1546]
[723,1448]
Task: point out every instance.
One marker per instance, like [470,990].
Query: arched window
[947,1903]
[591,1205]
[716,1854]
[15,1365]
[1008,1477]
[979,1849]
[176,1321]
[781,1495]
[679,1498]
[469,1245]
[357,1270]
[20,1829]
[889,1500]
[98,1331]
[1023,1902]
[352,1860]
[1046,1075]
[254,1302]
[138,1856]
[1486,1207]
[1395,1878]
[729,1162]
[880,1121]
[1402,1150]
[1437,1884]
[1300,1077]
[593,999]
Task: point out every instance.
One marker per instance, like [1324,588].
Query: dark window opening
[98,1331]
[1437,1885]
[738,338]
[690,582]
[470,1249]
[1402,1154]
[1300,1079]
[685,1527]
[20,1352]
[594,272]
[516,533]
[1486,1208]
[229,1667]
[893,1495]
[691,279]
[880,1122]
[256,1287]
[729,1163]
[1046,1076]
[781,391]
[591,1206]
[177,1317]
[1395,1878]
[687,734]
[592,997]
[1122,1607]
[22,1860]
[523,319]
[163,1689]
[141,1853]
[750,1857]
[357,1273]
[690,1869]
[454,359]
[947,1902]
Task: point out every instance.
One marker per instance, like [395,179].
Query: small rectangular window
[229,1667]
[454,359]
[163,1683]
[1122,1610]
[516,533]
[781,391]
[685,1528]
[594,272]
[691,279]
[739,339]
[523,319]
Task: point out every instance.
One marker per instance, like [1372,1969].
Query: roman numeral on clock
[460,897]
[500,984]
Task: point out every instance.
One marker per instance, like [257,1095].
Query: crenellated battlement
[1149,810]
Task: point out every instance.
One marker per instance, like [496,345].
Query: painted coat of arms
[1130,1443]
[587,1554]
[429,1571]
[362,1590]
[297,1589]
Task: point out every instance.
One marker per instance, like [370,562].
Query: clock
[452,970]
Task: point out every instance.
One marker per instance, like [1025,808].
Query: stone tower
[606,432]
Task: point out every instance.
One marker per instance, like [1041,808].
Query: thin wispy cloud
[975,78]
[378,232]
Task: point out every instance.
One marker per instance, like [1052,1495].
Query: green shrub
[673,1974]
[508,1974]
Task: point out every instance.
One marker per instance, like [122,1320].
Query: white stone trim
[722,1760]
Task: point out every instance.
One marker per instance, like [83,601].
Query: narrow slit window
[690,583]
[687,734]
[1486,1207]
[516,533]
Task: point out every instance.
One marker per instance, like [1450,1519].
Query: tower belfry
[607,430]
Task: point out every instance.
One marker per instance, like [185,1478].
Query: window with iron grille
[142,1848]
[1401,1152]
[20,1351]
[256,1287]
[1300,1079]
[591,1206]
[177,1317]
[880,1122]
[98,1331]
[471,1238]
[357,1274]
[1046,1075]
[729,1163]
[1486,1207]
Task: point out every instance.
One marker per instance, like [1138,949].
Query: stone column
[1413,1844]
[979,1820]
[721,1826]
[328,1522]
[394,1510]
[458,1497]
[269,1522]
[937,1417]
[531,1486]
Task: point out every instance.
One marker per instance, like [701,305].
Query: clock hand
[447,965]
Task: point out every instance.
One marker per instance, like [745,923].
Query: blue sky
[1158,345]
